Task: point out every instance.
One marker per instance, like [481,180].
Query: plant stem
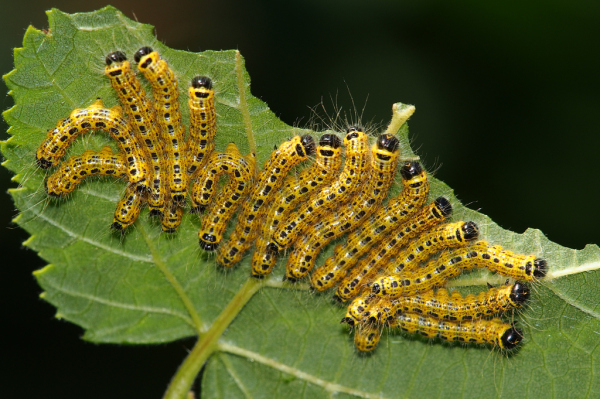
[207,344]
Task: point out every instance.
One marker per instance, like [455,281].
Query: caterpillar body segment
[386,219]
[324,169]
[493,332]
[129,207]
[91,163]
[141,115]
[241,174]
[357,308]
[166,104]
[94,117]
[336,195]
[451,306]
[367,336]
[380,176]
[378,257]
[267,183]
[171,217]
[450,235]
[203,123]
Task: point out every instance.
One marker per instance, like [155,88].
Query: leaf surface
[148,287]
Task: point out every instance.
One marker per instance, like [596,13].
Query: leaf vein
[122,305]
[72,234]
[309,378]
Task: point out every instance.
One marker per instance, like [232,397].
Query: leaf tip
[39,273]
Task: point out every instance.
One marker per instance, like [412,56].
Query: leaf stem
[189,369]
[400,114]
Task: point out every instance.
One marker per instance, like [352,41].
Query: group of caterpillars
[395,257]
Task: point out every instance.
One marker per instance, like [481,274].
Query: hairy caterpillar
[436,272]
[398,210]
[81,121]
[129,207]
[453,307]
[494,332]
[166,105]
[91,163]
[327,162]
[337,194]
[429,216]
[367,336]
[220,210]
[380,176]
[268,182]
[141,116]
[203,123]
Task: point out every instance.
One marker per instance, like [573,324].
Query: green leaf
[260,338]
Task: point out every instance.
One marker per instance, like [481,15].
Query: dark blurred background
[507,98]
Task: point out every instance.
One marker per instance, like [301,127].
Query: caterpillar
[494,332]
[399,209]
[384,160]
[241,172]
[327,162]
[91,163]
[129,207]
[203,123]
[172,216]
[82,120]
[268,182]
[229,162]
[453,307]
[429,216]
[367,336]
[436,272]
[141,115]
[337,194]
[166,105]
[450,235]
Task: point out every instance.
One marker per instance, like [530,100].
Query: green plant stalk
[207,344]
